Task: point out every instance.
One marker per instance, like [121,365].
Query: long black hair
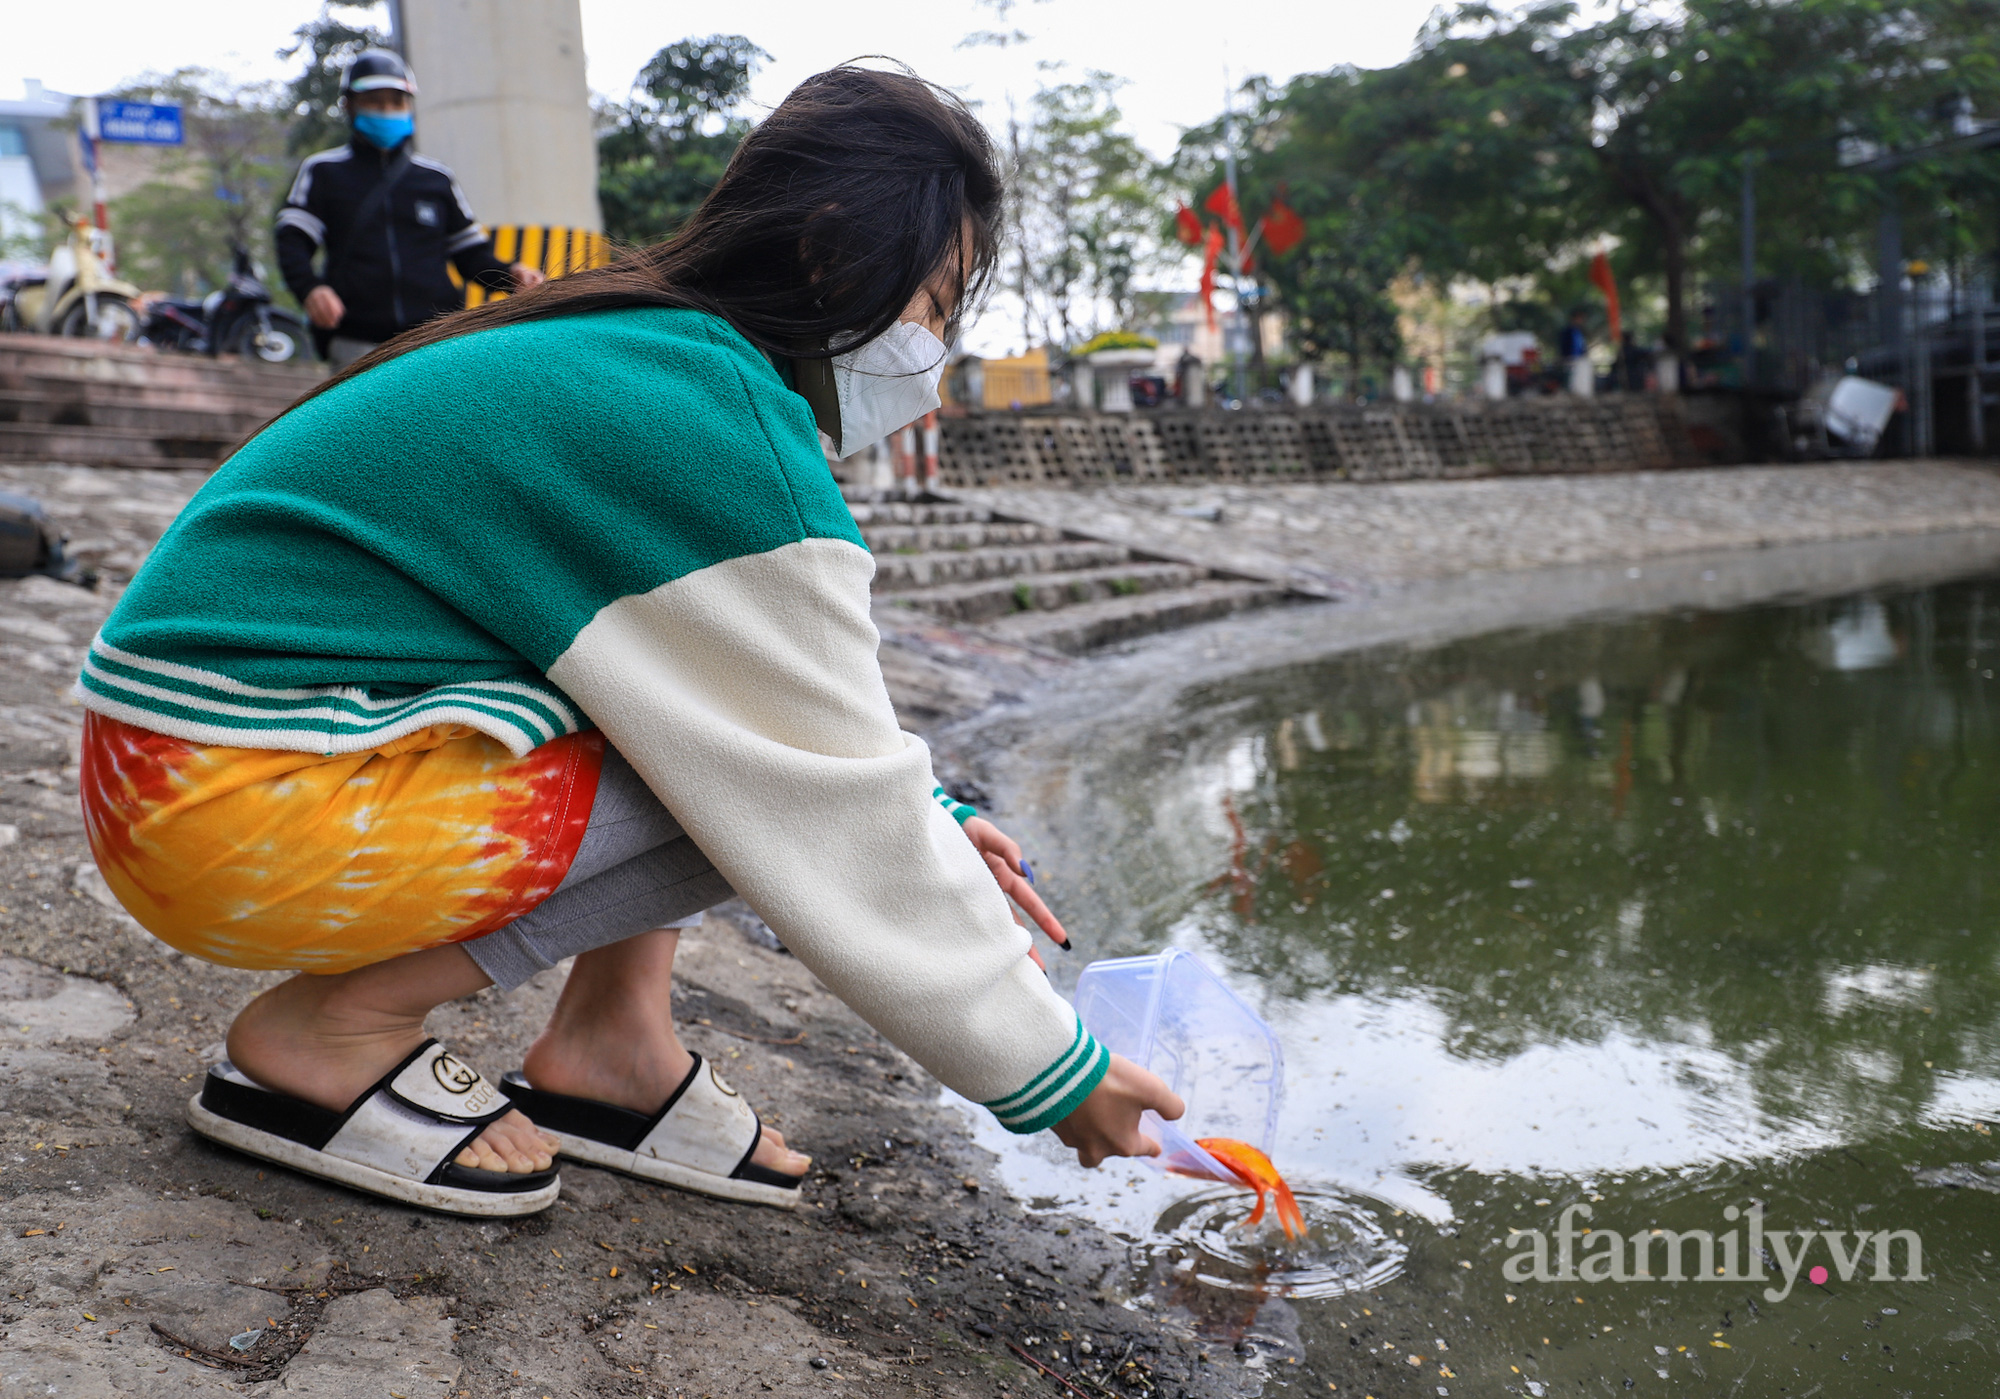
[834,213]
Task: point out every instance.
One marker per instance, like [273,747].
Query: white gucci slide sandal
[397,1140]
[701,1139]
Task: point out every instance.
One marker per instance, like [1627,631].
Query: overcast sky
[1173,53]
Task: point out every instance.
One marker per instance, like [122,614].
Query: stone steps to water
[932,538]
[868,511]
[1048,592]
[1034,585]
[899,573]
[1073,630]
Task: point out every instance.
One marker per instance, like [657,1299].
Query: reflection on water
[1661,915]
[1741,861]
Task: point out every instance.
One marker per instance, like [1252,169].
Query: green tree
[661,150]
[1083,202]
[327,44]
[221,188]
[1334,286]
[1512,141]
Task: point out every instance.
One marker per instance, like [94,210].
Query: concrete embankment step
[182,445]
[1035,585]
[896,573]
[187,418]
[1092,624]
[991,598]
[120,405]
[869,512]
[928,538]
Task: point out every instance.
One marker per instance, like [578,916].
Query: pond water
[1691,920]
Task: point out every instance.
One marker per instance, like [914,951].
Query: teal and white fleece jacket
[621,519]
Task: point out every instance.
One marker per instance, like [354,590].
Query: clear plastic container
[1171,1014]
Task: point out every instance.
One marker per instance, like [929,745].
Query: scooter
[75,295]
[237,320]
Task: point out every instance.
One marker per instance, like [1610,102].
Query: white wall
[20,196]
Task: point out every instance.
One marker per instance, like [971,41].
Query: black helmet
[376,69]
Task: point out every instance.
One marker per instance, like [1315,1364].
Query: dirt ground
[132,1252]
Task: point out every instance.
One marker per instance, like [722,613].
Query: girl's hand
[1003,857]
[1107,1122]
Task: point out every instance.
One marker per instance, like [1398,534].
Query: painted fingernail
[1027,870]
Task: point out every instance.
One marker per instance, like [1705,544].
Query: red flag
[1210,251]
[1283,228]
[1600,276]
[1222,204]
[1187,226]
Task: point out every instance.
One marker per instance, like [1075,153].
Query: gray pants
[343,350]
[635,870]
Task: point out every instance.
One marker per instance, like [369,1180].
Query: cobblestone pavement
[1338,540]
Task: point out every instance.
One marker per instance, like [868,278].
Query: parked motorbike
[237,320]
[75,295]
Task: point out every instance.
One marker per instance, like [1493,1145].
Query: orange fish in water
[1254,1170]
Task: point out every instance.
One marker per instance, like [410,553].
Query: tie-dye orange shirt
[266,859]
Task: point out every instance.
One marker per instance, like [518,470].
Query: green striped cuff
[958,810]
[1056,1091]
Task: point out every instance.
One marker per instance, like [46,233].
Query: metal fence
[1933,339]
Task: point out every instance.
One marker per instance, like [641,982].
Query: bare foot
[327,1039]
[612,1038]
[630,1070]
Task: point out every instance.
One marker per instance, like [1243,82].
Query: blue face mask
[385,132]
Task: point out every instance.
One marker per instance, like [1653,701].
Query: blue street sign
[139,123]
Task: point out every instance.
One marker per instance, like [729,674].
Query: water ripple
[1202,1240]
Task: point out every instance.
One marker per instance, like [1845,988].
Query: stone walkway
[1337,540]
[904,1273]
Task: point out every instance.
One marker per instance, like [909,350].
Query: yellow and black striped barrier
[554,250]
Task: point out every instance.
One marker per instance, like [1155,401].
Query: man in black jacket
[387,219]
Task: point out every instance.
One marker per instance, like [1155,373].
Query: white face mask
[888,383]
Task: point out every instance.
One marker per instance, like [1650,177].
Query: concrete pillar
[1082,386]
[1493,378]
[1194,381]
[1302,385]
[1582,377]
[1667,372]
[1117,390]
[872,467]
[933,450]
[1401,387]
[501,99]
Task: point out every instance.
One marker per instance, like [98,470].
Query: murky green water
[1666,918]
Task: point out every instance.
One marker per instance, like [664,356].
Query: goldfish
[1253,1169]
